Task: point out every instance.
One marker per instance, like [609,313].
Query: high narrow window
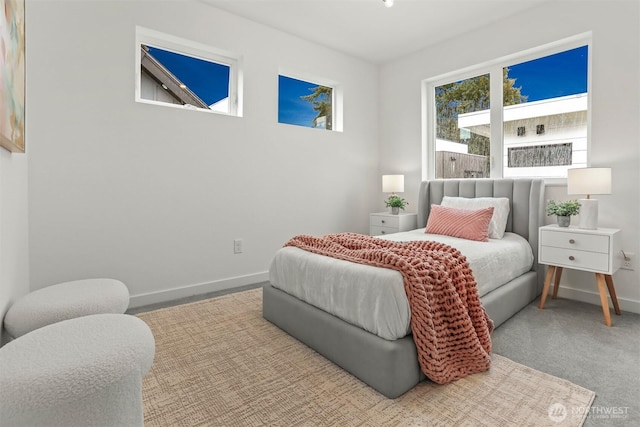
[305,103]
[179,72]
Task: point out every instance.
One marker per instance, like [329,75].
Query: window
[308,104]
[186,74]
[532,109]
[553,112]
[462,151]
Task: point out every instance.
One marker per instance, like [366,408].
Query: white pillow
[500,207]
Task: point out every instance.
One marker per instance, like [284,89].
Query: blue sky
[291,108]
[552,76]
[208,80]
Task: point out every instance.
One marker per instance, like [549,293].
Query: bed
[390,364]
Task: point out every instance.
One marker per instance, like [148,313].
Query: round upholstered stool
[85,371]
[65,301]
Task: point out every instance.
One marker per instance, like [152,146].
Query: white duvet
[373,298]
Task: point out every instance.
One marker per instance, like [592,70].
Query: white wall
[14,253]
[615,108]
[155,196]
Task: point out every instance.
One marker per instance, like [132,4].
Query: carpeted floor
[218,362]
[570,340]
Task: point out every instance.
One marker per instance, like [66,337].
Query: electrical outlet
[237,246]
[628,261]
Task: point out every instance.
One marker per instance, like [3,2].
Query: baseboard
[196,289]
[592,297]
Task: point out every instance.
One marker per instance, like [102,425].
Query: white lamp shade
[392,183]
[589,181]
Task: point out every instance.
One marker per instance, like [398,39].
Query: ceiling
[367,29]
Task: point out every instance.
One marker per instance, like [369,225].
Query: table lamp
[589,181]
[393,184]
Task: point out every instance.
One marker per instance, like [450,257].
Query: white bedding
[373,298]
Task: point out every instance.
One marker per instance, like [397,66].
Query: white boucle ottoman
[85,371]
[65,301]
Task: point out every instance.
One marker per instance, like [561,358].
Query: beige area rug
[219,363]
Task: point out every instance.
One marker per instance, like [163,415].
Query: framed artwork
[12,75]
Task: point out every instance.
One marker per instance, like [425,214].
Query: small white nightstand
[581,249]
[387,223]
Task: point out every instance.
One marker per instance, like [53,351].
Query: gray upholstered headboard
[526,212]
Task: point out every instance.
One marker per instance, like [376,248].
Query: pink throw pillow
[464,223]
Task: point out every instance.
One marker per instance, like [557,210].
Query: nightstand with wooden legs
[581,249]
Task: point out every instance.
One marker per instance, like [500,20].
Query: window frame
[178,45]
[494,69]
[336,96]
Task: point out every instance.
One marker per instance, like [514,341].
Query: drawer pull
[382,221]
[572,241]
[384,232]
[572,258]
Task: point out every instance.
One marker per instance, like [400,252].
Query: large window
[186,74]
[307,103]
[519,117]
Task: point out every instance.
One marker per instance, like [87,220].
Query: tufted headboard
[526,195]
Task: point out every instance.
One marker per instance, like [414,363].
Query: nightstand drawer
[386,223]
[577,241]
[392,221]
[581,260]
[379,231]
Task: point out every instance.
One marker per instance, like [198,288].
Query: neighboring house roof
[478,121]
[170,82]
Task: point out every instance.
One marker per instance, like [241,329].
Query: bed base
[390,367]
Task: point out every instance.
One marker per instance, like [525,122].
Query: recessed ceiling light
[388,3]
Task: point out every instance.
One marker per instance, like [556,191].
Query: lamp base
[588,214]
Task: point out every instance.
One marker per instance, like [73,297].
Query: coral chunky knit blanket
[450,327]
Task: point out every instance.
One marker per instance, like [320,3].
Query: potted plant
[396,203]
[563,211]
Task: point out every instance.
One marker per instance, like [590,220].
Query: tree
[468,96]
[321,100]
